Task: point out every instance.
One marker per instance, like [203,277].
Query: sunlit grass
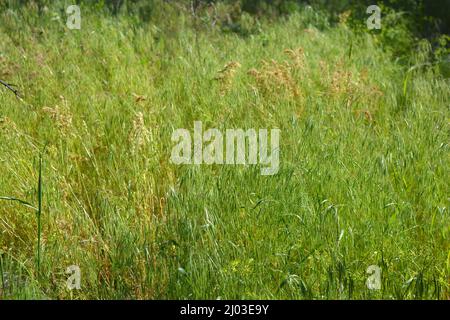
[363,178]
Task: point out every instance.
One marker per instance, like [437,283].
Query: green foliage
[396,34]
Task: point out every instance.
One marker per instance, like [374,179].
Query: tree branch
[10,87]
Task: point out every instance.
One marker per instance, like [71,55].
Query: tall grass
[39,216]
[38,211]
[363,178]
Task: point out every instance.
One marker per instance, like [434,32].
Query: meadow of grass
[364,166]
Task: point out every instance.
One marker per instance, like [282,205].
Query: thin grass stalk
[39,212]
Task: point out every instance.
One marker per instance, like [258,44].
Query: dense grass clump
[364,176]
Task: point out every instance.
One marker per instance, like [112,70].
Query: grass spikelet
[277,76]
[139,135]
[61,117]
[226,76]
